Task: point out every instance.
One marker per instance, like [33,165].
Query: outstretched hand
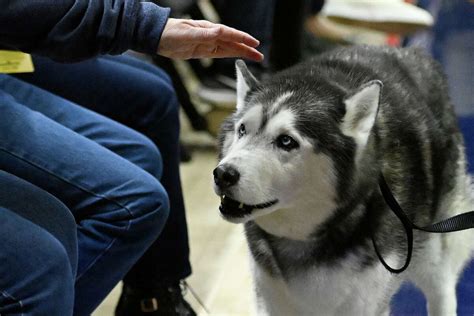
[185,39]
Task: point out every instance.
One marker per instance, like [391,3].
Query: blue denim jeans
[105,173]
[38,257]
[140,96]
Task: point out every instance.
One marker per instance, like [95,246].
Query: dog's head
[294,142]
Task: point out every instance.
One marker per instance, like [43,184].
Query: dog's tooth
[241,205]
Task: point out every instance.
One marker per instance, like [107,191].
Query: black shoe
[164,301]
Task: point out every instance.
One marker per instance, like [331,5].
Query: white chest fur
[343,290]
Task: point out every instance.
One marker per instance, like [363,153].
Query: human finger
[230,49]
[212,31]
[232,35]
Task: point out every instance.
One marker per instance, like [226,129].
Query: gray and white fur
[299,164]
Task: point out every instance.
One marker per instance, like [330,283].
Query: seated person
[140,96]
[107,175]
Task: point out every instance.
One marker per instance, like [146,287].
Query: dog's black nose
[225,176]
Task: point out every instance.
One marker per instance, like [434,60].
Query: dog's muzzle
[232,208]
[225,176]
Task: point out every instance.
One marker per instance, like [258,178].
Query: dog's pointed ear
[361,111]
[245,82]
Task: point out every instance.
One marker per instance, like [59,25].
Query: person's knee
[164,76]
[35,267]
[55,217]
[167,103]
[163,104]
[148,156]
[59,267]
[49,269]
[151,210]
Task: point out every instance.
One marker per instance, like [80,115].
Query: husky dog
[300,161]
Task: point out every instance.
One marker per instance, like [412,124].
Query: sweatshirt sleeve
[74,30]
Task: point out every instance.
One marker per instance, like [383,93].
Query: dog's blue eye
[286,142]
[241,132]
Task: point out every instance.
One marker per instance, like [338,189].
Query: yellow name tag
[15,62]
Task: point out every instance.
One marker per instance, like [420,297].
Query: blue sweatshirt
[73,30]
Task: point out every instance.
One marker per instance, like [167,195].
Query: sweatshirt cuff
[150,25]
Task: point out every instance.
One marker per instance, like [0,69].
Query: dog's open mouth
[233,208]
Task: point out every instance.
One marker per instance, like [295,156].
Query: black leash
[456,223]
